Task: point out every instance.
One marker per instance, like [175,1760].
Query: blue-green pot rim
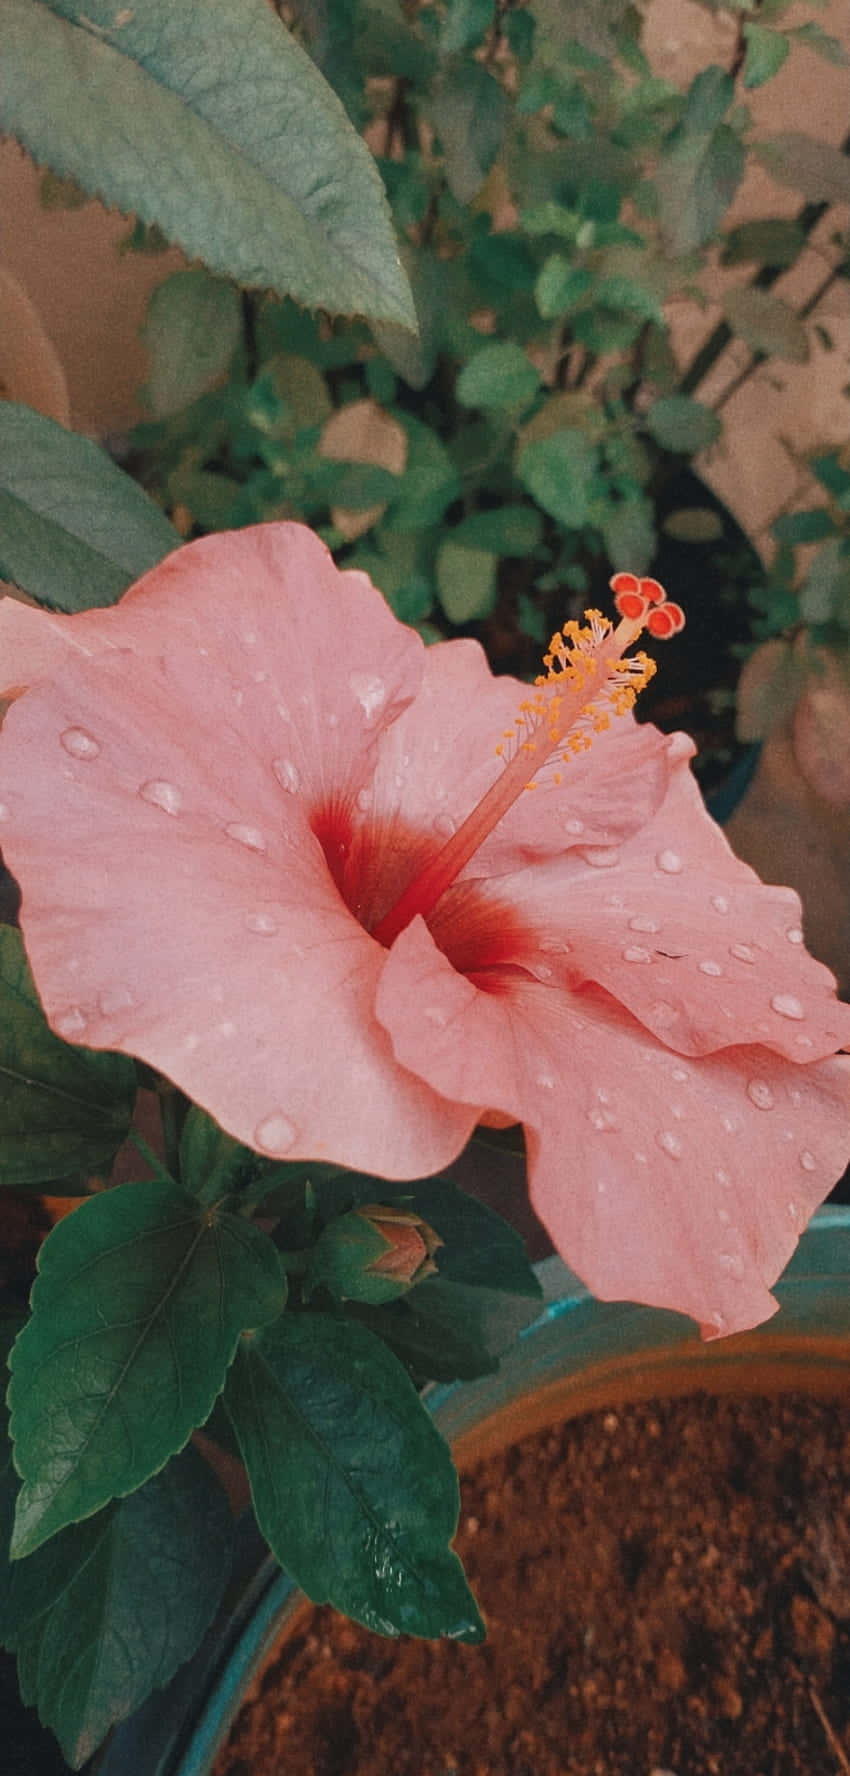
[179,1730]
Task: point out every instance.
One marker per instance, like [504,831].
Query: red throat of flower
[589,678]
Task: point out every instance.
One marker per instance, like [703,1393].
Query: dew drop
[712,968]
[444,825]
[635,954]
[641,924]
[249,836]
[670,1143]
[226,1028]
[718,1322]
[114,999]
[543,971]
[601,856]
[794,935]
[70,1023]
[162,794]
[546,1082]
[262,923]
[364,800]
[574,827]
[724,1217]
[808,1161]
[259,677]
[191,1042]
[732,1263]
[287,774]
[804,1041]
[670,862]
[729,1125]
[680,1074]
[283,712]
[79,744]
[333,719]
[787,1005]
[4,812]
[793,1210]
[370,691]
[722,1178]
[275,1134]
[554,946]
[250,637]
[238,698]
[662,1013]
[602,1119]
[436,1015]
[742,952]
[720,903]
[760,1094]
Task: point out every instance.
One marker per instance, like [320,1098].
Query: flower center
[589,677]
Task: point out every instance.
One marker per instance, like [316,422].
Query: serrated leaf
[680,424]
[191,331]
[74,530]
[559,472]
[507,530]
[469,112]
[63,1110]
[767,324]
[136,1312]
[466,582]
[816,169]
[215,124]
[110,1610]
[766,52]
[498,376]
[353,1486]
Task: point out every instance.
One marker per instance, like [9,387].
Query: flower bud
[373,1254]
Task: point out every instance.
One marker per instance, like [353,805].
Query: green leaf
[817,39]
[74,530]
[559,472]
[507,530]
[63,1110]
[469,112]
[450,1331]
[816,169]
[212,122]
[771,242]
[694,524]
[766,52]
[110,1610]
[697,179]
[677,423]
[561,286]
[191,331]
[430,482]
[498,376]
[466,24]
[628,531]
[825,596]
[707,100]
[479,1249]
[804,527]
[137,1309]
[352,1484]
[466,582]
[767,323]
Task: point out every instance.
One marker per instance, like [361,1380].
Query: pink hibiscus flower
[265,843]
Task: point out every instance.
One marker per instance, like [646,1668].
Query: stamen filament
[542,734]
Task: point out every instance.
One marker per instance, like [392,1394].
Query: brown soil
[667,1590]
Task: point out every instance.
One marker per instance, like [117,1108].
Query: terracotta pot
[579,1355]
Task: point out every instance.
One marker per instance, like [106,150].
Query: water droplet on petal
[250,637]
[793,1210]
[554,946]
[680,1074]
[787,1005]
[804,1041]
[444,825]
[760,1094]
[370,691]
[712,968]
[275,1134]
[287,774]
[635,954]
[545,1082]
[670,862]
[662,1013]
[602,1119]
[640,924]
[249,836]
[79,744]
[191,1042]
[808,1161]
[670,1143]
[162,794]
[742,952]
[364,800]
[259,677]
[723,1178]
[732,1263]
[4,812]
[601,856]
[262,923]
[718,1322]
[333,719]
[227,1028]
[720,903]
[542,971]
[794,935]
[574,826]
[436,1015]
[729,1124]
[724,1217]
[283,712]
[114,999]
[70,1024]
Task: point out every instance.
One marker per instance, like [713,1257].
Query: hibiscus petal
[176,903]
[681,1186]
[686,936]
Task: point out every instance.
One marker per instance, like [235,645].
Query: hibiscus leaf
[450,1331]
[113,1606]
[136,1312]
[559,472]
[469,112]
[191,331]
[353,1486]
[680,424]
[63,1110]
[767,323]
[213,123]
[75,531]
